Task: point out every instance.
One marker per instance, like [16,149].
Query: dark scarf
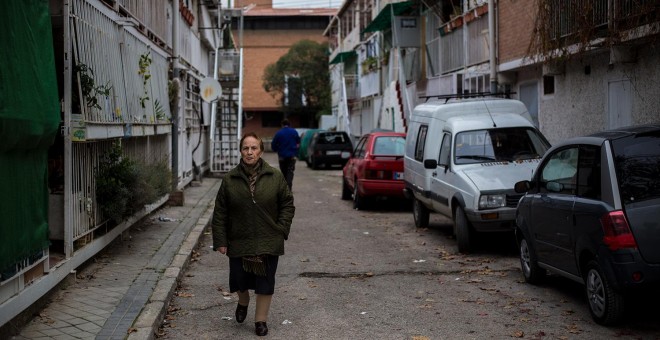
[253,264]
[252,172]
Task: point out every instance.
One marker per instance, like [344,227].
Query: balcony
[352,87]
[452,52]
[590,19]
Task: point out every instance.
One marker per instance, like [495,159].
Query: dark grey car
[591,213]
[329,148]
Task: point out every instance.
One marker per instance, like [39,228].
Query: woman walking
[252,218]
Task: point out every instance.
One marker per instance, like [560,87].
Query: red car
[375,168]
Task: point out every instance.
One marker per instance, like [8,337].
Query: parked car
[591,213]
[462,159]
[329,148]
[305,138]
[375,168]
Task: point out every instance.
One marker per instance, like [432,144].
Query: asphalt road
[370,274]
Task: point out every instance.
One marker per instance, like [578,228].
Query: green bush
[124,186]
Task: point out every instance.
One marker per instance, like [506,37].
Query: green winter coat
[238,222]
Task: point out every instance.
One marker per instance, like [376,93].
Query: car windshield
[637,164]
[498,145]
[389,145]
[332,138]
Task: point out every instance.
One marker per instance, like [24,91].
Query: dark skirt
[240,280]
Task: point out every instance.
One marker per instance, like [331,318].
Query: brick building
[268,33]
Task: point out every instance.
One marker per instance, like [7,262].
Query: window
[359,149]
[389,145]
[637,166]
[500,144]
[548,85]
[333,138]
[421,141]
[271,119]
[445,147]
[588,181]
[559,173]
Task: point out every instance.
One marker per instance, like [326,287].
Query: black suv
[591,213]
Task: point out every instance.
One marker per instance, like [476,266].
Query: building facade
[126,104]
[268,33]
[574,78]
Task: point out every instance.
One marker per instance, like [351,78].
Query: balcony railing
[575,17]
[352,88]
[455,34]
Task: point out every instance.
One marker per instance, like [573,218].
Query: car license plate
[333,152]
[398,175]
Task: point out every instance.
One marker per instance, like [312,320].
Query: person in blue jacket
[286,143]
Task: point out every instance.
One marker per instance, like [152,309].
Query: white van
[462,159]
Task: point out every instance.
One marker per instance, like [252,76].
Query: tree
[302,74]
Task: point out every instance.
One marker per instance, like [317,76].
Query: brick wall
[261,48]
[515,27]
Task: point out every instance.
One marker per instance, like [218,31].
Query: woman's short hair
[253,135]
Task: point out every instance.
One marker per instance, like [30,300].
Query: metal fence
[108,54]
[570,17]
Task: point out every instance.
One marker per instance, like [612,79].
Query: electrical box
[406,31]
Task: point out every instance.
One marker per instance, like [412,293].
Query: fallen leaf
[518,334]
[131,330]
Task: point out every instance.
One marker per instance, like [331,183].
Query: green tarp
[342,57]
[29,119]
[383,21]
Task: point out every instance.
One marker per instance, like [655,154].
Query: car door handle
[434,173]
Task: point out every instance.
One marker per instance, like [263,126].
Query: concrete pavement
[123,292]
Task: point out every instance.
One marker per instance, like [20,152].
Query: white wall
[580,102]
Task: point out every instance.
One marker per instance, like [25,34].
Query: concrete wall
[580,102]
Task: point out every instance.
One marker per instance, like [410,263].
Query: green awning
[342,57]
[383,20]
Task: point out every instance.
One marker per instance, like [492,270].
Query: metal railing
[570,17]
[464,46]
[110,54]
[352,86]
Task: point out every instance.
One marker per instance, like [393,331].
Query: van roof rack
[447,97]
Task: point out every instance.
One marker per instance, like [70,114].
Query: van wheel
[530,269]
[345,190]
[420,214]
[605,304]
[462,231]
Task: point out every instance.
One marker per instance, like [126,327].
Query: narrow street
[351,274]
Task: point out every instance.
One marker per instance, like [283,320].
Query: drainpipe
[491,43]
[176,70]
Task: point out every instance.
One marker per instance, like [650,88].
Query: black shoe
[261,328]
[241,313]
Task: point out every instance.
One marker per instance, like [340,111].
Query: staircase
[225,154]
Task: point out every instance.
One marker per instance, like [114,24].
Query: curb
[149,319]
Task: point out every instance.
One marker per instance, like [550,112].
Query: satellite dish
[210,90]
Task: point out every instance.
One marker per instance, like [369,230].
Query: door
[352,168]
[529,94]
[441,176]
[619,104]
[552,208]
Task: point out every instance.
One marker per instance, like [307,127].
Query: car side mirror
[554,186]
[430,164]
[522,187]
